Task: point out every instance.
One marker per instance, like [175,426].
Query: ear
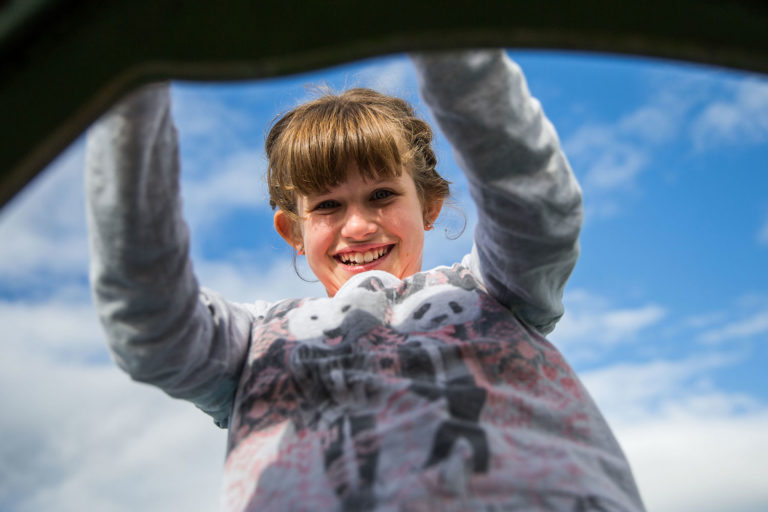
[287,228]
[431,212]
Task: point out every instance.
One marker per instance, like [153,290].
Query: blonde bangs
[318,143]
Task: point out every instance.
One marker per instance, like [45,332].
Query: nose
[358,224]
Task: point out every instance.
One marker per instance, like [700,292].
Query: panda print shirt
[422,394]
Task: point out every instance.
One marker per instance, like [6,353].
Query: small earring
[428,226]
[300,250]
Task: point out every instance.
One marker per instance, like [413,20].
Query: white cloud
[64,328]
[740,119]
[591,323]
[633,391]
[692,447]
[705,464]
[80,436]
[688,463]
[43,228]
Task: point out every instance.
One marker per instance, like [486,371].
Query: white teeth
[359,258]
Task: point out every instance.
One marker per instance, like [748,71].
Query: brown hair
[310,147]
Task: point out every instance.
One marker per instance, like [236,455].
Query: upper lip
[361,248]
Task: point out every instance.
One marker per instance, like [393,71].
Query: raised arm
[160,328]
[528,201]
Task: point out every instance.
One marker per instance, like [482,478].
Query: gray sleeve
[160,327]
[528,201]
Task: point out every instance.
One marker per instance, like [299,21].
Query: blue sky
[666,313]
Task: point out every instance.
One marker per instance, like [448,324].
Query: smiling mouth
[361,258]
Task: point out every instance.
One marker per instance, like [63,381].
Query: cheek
[412,232]
[317,237]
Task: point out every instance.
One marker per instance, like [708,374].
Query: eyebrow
[371,182]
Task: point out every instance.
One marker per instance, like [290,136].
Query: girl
[402,389]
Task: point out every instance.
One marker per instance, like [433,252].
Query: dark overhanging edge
[132,76]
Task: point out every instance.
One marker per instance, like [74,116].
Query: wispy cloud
[741,118]
[592,323]
[700,321]
[602,159]
[745,327]
[610,155]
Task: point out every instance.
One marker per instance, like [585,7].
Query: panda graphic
[338,377]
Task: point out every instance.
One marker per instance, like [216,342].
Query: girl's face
[360,225]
